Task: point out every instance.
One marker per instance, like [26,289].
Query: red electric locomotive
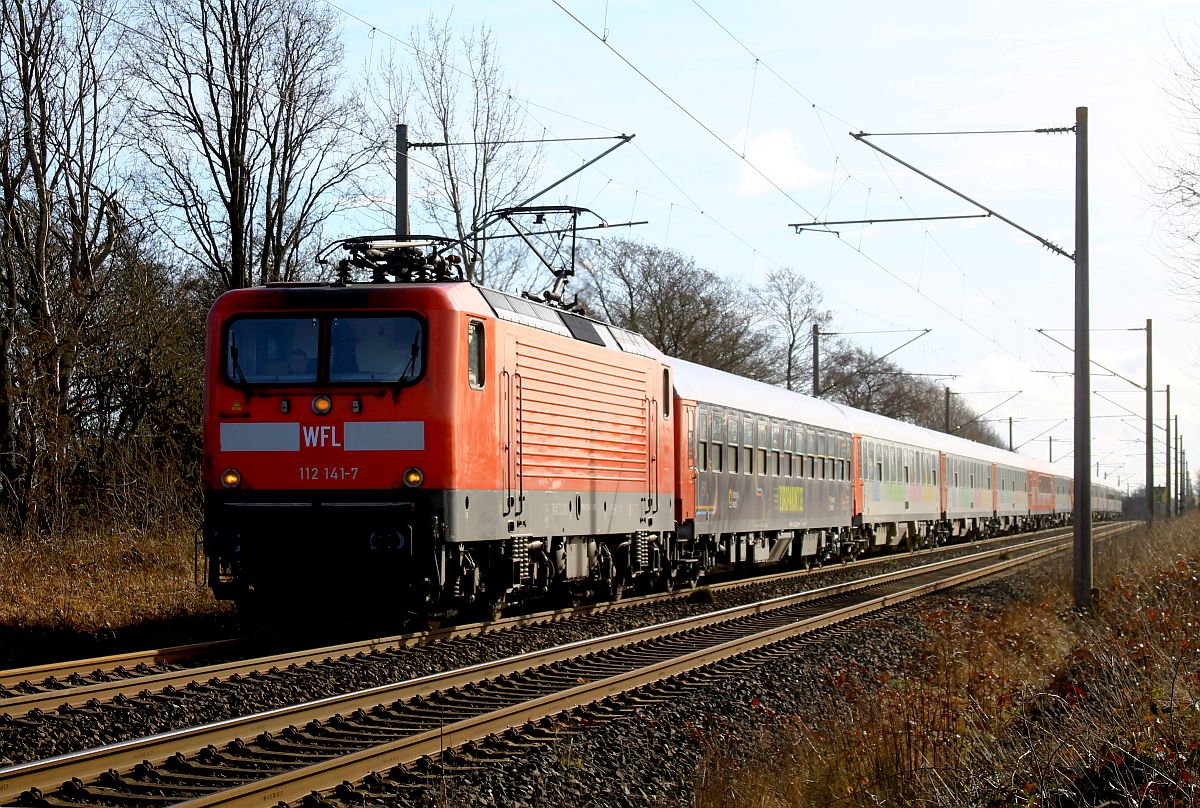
[450,443]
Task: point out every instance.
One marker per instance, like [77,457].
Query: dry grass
[1035,706]
[93,582]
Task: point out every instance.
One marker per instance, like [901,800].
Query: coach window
[717,451]
[747,460]
[733,460]
[762,462]
[906,474]
[475,343]
[702,460]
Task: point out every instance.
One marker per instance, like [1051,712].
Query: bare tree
[1177,190]
[61,218]
[792,306]
[454,95]
[858,378]
[685,310]
[249,141]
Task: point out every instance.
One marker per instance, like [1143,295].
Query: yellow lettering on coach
[791,498]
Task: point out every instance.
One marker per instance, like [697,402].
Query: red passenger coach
[430,438]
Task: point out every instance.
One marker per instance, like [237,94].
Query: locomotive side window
[272,350]
[475,363]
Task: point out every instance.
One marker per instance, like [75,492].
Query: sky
[743,113]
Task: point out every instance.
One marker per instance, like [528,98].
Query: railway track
[50,687]
[285,754]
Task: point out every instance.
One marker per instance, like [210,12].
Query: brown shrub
[91,581]
[1037,705]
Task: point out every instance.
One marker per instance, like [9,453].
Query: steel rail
[109,664]
[50,773]
[54,692]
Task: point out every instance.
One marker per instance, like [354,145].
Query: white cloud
[777,155]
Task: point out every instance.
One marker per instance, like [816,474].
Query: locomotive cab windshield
[334,349]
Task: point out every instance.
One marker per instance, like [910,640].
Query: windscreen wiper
[412,362]
[233,357]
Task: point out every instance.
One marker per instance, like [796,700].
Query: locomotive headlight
[322,405]
[414,477]
[231,478]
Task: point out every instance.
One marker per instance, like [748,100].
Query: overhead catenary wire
[435,145]
[817,111]
[1093,361]
[1051,130]
[694,207]
[685,110]
[858,248]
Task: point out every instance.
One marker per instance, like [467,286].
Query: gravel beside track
[84,726]
[650,756]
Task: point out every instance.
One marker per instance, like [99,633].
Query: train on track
[440,444]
